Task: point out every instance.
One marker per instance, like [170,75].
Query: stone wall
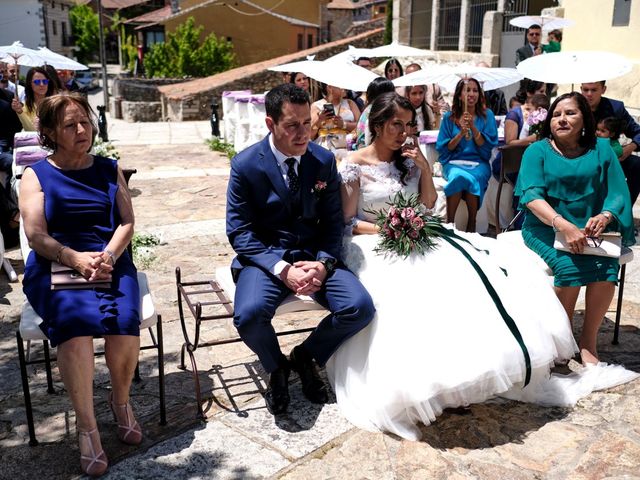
[193,100]
[131,97]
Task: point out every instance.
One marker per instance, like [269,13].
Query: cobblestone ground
[179,195]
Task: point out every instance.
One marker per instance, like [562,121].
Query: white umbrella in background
[60,62]
[547,22]
[18,54]
[342,74]
[448,76]
[574,67]
[351,54]
[395,49]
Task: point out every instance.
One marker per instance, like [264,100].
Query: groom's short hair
[276,97]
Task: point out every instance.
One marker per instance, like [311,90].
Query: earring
[583,132]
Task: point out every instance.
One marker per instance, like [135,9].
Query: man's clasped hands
[304,277]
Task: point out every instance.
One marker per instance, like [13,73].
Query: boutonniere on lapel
[319,187]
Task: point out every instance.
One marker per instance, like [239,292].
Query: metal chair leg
[616,328]
[25,390]
[163,407]
[47,366]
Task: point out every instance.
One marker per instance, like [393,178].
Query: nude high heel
[129,430]
[93,463]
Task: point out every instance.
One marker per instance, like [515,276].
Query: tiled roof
[178,91]
[116,4]
[152,17]
[291,20]
[350,4]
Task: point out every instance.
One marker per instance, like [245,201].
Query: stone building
[38,23]
[344,18]
[258,29]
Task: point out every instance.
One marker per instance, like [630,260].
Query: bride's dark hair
[384,108]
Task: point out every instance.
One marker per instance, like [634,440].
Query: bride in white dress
[438,339]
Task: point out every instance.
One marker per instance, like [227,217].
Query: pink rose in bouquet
[535,120]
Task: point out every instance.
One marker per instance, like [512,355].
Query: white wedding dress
[438,339]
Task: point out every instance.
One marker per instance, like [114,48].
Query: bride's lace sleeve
[350,191]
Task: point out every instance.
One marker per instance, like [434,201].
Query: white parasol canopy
[395,49]
[448,76]
[352,53]
[20,55]
[575,67]
[547,22]
[60,62]
[342,74]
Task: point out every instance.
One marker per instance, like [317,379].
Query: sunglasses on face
[41,82]
[534,34]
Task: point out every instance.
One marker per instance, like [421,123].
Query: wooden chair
[510,164]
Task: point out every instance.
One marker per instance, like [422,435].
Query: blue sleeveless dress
[81,213]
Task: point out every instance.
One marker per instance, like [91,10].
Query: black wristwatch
[329,264]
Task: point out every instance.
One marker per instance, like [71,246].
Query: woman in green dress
[572,182]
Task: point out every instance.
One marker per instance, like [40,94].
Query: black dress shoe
[312,385]
[277,395]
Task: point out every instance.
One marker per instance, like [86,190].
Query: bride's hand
[414,153]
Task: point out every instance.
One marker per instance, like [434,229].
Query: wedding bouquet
[535,121]
[405,227]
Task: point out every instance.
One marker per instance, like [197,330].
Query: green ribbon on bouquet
[450,236]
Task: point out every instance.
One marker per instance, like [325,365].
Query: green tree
[183,54]
[388,26]
[85,28]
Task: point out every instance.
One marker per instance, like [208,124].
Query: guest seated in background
[9,126]
[515,124]
[39,86]
[334,115]
[603,107]
[77,212]
[611,128]
[571,182]
[299,79]
[67,81]
[393,69]
[377,87]
[425,117]
[12,76]
[467,136]
[433,96]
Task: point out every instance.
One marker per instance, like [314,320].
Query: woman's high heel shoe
[92,461]
[129,430]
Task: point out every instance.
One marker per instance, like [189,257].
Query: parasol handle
[467,135]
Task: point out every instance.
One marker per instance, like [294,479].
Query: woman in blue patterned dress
[77,211]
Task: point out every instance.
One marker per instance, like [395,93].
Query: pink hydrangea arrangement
[535,120]
[405,227]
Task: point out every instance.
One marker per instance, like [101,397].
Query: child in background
[554,37]
[611,128]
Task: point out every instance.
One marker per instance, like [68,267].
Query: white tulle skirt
[439,341]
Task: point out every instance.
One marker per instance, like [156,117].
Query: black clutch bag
[66,278]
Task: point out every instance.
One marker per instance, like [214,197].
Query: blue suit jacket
[615,108]
[263,226]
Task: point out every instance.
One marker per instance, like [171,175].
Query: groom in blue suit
[285,223]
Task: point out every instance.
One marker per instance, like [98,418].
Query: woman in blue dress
[77,212]
[572,182]
[467,136]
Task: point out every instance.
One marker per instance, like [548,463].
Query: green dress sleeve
[531,184]
[617,199]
